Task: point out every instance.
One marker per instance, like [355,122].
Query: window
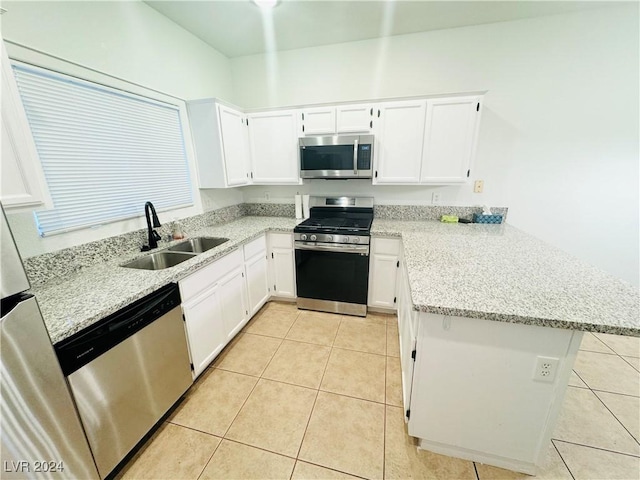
[104,152]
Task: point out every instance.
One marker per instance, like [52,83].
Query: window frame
[74,236]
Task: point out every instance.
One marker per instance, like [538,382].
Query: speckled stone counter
[86,296]
[497,272]
[493,272]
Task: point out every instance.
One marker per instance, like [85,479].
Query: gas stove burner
[337,220]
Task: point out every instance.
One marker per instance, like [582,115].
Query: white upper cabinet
[235,145]
[221,142]
[354,118]
[450,137]
[273,143]
[23,182]
[348,118]
[318,121]
[399,142]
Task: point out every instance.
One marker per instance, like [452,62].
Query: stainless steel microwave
[336,156]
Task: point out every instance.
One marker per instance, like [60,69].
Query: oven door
[335,274]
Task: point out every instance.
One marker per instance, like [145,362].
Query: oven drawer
[333,276]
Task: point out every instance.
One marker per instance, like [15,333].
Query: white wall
[133,42]
[559,137]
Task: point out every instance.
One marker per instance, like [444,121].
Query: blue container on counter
[480,218]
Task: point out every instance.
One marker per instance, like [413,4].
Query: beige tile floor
[307,395]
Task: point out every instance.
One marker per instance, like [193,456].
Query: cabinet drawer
[281,240]
[386,246]
[254,247]
[207,276]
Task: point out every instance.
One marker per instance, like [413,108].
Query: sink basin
[198,244]
[159,260]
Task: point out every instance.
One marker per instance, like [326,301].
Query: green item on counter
[449,219]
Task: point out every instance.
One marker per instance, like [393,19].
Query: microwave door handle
[355,157]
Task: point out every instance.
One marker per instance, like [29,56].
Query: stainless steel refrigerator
[41,435]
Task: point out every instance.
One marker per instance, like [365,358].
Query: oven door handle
[361,249]
[355,157]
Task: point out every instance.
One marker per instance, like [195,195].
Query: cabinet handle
[302,128]
[371,112]
[378,113]
[371,124]
[303,116]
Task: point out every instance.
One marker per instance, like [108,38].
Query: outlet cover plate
[545,369]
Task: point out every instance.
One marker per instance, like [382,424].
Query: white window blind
[104,152]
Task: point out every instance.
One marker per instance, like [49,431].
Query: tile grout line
[562,458]
[616,417]
[475,469]
[384,416]
[595,448]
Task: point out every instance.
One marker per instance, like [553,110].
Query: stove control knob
[346,240]
[303,236]
[313,238]
[355,239]
[329,238]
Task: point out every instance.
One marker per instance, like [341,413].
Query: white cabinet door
[23,182]
[399,139]
[257,289]
[256,274]
[233,303]
[354,118]
[282,269]
[383,272]
[450,138]
[382,286]
[407,334]
[235,145]
[318,121]
[205,330]
[284,281]
[273,142]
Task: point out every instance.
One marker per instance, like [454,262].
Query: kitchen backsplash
[429,212]
[270,209]
[61,264]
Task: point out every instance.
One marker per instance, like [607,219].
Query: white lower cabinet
[255,261]
[205,331]
[383,271]
[407,323]
[214,308]
[233,303]
[283,268]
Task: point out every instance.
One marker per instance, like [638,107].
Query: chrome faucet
[153,235]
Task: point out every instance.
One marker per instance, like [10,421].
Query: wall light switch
[478,186]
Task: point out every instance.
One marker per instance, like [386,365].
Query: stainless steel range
[332,255]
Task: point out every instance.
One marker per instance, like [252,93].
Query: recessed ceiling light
[267,4]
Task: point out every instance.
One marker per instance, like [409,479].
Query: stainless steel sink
[198,244]
[159,260]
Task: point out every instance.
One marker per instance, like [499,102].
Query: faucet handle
[156,235]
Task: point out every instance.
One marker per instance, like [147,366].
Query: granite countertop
[498,272]
[95,292]
[493,272]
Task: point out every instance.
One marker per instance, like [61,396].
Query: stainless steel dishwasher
[126,371]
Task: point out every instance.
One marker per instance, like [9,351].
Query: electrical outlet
[435,198]
[545,370]
[478,186]
[267,196]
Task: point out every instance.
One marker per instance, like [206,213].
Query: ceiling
[237,28]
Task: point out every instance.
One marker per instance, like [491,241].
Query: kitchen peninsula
[480,307]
